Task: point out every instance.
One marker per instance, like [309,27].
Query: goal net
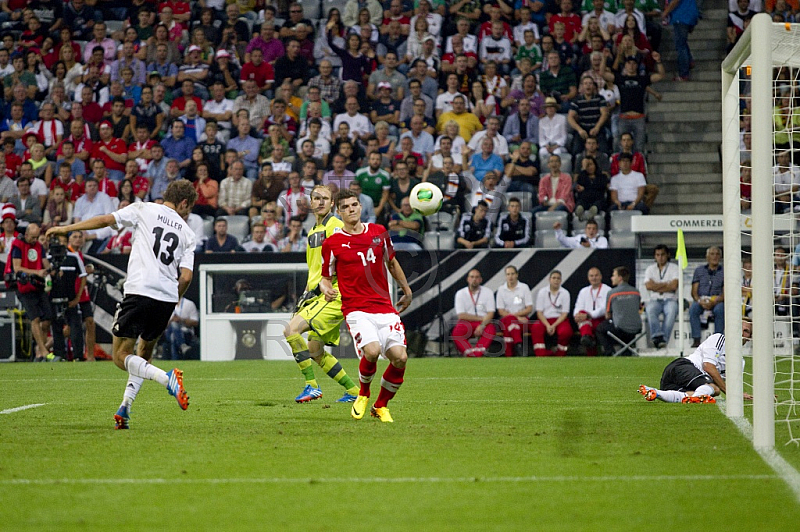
[761,187]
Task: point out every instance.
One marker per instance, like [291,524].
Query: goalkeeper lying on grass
[698,377]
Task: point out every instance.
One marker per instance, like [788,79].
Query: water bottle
[48,284]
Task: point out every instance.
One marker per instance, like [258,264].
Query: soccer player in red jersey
[359,256]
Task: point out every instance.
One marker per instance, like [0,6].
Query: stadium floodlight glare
[764,66]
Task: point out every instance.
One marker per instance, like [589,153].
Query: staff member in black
[69,274]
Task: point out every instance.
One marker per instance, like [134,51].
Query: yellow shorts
[324,318]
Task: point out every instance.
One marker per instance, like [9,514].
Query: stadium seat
[525,198]
[113,25]
[621,220]
[208,227]
[546,238]
[238,226]
[578,225]
[546,219]
[312,10]
[328,4]
[441,221]
[443,240]
[622,239]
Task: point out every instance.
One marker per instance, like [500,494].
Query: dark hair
[627,156]
[514,199]
[661,247]
[593,222]
[344,194]
[623,273]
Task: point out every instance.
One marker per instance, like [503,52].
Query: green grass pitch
[477,444]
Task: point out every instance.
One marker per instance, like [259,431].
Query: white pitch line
[784,469]
[20,408]
[371,480]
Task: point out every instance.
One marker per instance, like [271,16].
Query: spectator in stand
[406,228]
[292,65]
[661,281]
[207,192]
[627,187]
[555,189]
[295,240]
[247,149]
[423,141]
[591,148]
[522,126]
[27,205]
[558,82]
[591,189]
[386,109]
[474,230]
[553,134]
[497,47]
[104,184]
[485,161]
[522,169]
[638,163]
[552,318]
[256,104]
[786,182]
[475,308]
[112,151]
[194,124]
[467,122]
[492,131]
[235,192]
[375,183]
[179,146]
[513,230]
[92,203]
[622,311]
[58,210]
[683,15]
[591,237]
[588,116]
[590,309]
[633,87]
[708,295]
[171,173]
[338,174]
[222,242]
[259,71]
[258,244]
[402,184]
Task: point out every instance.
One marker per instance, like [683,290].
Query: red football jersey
[359,261]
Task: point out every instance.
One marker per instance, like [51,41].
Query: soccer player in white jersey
[159,272]
[698,377]
[359,256]
[590,309]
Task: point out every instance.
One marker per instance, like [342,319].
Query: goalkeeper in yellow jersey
[316,315]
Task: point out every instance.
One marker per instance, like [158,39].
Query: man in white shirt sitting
[514,305]
[627,187]
[590,309]
[258,244]
[552,311]
[661,282]
[474,306]
[590,239]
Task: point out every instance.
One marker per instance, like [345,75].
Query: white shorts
[386,329]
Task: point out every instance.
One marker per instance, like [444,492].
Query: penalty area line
[401,480]
[784,469]
[20,408]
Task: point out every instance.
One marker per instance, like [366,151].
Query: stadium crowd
[254,102]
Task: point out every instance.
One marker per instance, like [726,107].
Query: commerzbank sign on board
[698,223]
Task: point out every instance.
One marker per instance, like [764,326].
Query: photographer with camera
[25,272]
[69,282]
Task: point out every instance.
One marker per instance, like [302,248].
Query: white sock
[139,367]
[705,389]
[670,396]
[131,390]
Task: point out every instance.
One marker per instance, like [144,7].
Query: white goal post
[755,50]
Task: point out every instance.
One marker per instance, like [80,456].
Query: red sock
[366,370]
[390,383]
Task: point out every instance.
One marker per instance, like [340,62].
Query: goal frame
[754,49]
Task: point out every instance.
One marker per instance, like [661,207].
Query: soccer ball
[426,199]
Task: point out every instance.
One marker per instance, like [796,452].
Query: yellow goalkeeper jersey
[316,237]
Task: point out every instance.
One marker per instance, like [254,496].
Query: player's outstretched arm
[397,272]
[97,222]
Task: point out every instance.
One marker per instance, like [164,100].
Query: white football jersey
[712,350]
[163,243]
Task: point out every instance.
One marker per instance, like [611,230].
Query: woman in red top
[207,191]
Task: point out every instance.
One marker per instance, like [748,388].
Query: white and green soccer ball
[426,199]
